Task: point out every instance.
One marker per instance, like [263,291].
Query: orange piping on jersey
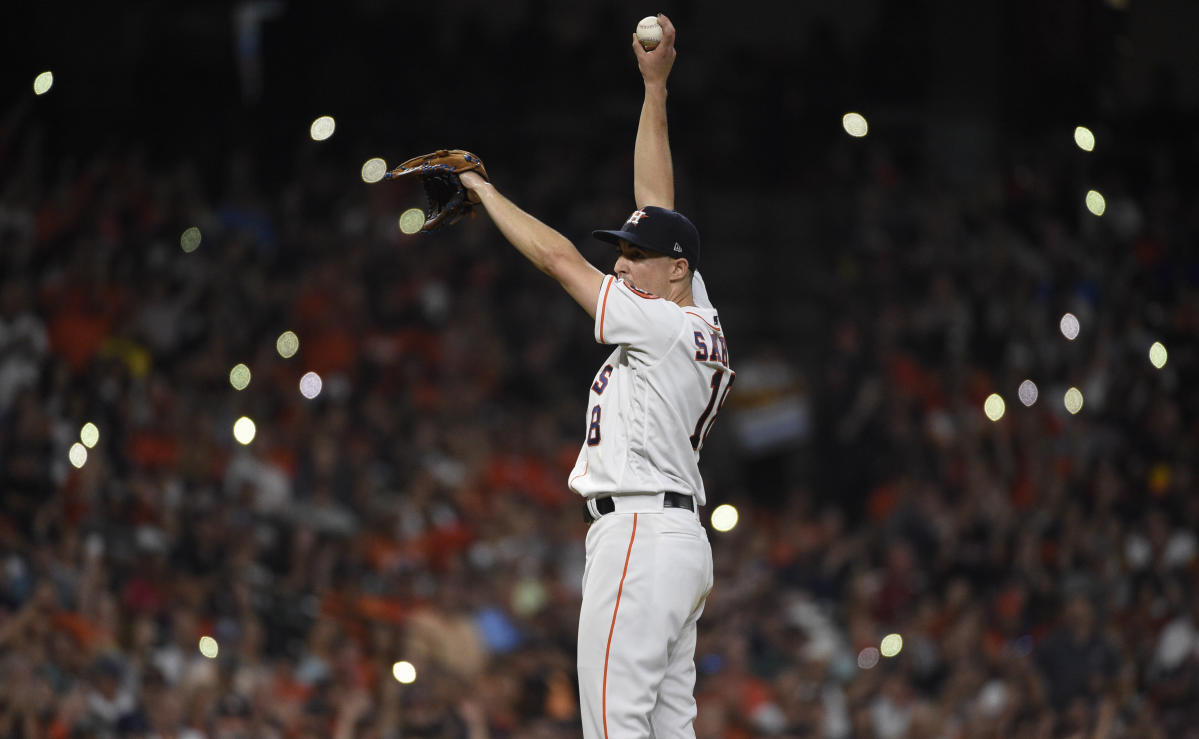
[642,294]
[612,628]
[581,474]
[604,308]
[714,328]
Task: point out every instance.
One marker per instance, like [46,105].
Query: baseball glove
[446,200]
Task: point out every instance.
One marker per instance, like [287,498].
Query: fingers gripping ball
[446,199]
[649,32]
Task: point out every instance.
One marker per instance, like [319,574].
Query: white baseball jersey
[656,397]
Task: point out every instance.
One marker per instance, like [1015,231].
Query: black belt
[669,500]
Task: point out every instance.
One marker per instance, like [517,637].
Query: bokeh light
[994,407]
[1073,400]
[1028,392]
[373,170]
[287,344]
[867,658]
[310,385]
[891,645]
[1157,355]
[43,82]
[89,435]
[190,240]
[239,377]
[244,430]
[412,220]
[78,455]
[1069,326]
[403,672]
[322,128]
[855,124]
[1084,138]
[724,517]
[1095,202]
[208,647]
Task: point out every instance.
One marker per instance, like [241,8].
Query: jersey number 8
[701,432]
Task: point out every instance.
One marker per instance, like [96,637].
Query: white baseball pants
[647,577]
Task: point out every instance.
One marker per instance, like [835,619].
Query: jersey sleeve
[625,315]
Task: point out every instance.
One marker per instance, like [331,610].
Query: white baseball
[649,33]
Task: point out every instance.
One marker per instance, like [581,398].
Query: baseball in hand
[649,33]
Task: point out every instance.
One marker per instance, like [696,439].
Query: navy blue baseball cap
[658,230]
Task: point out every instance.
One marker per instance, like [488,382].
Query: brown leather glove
[446,200]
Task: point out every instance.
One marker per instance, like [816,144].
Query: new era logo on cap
[678,248]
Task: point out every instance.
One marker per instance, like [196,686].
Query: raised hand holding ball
[649,32]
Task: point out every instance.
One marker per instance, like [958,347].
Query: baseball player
[650,406]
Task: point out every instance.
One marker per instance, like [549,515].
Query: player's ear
[679,269]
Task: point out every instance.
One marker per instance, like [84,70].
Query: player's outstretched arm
[548,250]
[653,170]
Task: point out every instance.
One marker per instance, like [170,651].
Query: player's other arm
[653,170]
[548,250]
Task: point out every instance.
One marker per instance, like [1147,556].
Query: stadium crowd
[1041,570]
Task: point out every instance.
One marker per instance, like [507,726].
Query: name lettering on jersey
[714,355]
[718,352]
[601,382]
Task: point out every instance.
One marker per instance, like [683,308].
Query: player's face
[643,269]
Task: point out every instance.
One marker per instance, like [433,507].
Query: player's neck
[684,298]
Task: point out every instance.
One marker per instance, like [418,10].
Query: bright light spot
[373,170]
[77,455]
[868,658]
[190,240]
[244,430]
[208,647]
[287,344]
[239,377]
[310,385]
[412,220]
[1095,202]
[1157,355]
[322,128]
[43,82]
[1084,138]
[854,124]
[89,434]
[994,407]
[724,517]
[1027,392]
[891,645]
[1069,326]
[403,672]
[1073,400]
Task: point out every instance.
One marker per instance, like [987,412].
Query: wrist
[483,189]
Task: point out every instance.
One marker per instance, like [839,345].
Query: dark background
[951,88]
[1041,569]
